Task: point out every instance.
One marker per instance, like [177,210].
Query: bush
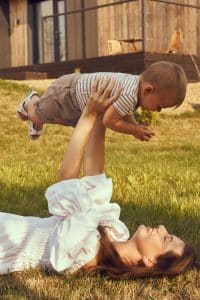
[144,117]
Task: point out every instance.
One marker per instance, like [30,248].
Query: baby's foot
[34,131]
[22,108]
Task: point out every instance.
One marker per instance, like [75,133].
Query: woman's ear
[148,262]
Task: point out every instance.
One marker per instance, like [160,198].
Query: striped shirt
[125,104]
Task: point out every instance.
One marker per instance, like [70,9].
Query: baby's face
[156,101]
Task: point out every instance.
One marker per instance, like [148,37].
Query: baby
[162,85]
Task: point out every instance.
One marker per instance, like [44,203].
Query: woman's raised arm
[97,103]
[94,158]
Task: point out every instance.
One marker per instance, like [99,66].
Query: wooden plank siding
[163,19]
[4,35]
[118,22]
[198,33]
[18,32]
[87,33]
[91,29]
[74,31]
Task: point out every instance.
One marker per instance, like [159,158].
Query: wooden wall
[18,32]
[162,20]
[4,35]
[74,31]
[91,29]
[75,36]
[118,22]
[100,25]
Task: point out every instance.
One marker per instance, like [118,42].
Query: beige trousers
[58,104]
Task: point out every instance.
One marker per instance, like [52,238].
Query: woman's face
[153,242]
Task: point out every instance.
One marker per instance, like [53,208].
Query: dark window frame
[82,11]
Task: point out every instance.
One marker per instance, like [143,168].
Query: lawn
[154,183]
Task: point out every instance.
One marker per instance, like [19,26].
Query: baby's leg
[26,112]
[58,103]
[56,106]
[32,115]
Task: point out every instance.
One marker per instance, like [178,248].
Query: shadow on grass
[13,286]
[28,201]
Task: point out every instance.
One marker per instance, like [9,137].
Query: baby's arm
[130,119]
[113,120]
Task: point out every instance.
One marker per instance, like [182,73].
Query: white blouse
[69,239]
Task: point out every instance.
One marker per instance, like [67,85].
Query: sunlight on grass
[154,183]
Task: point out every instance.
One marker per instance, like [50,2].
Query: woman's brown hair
[110,263]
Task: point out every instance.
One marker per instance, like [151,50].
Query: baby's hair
[164,75]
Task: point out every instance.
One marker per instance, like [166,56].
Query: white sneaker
[33,132]
[21,112]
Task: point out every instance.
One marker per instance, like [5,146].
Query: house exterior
[56,31]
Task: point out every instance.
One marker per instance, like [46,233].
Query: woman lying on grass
[85,233]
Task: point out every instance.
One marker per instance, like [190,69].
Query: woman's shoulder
[96,189]
[87,181]
[94,180]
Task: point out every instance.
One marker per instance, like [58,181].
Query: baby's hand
[142,133]
[100,99]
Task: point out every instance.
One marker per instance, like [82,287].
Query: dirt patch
[36,84]
[192,96]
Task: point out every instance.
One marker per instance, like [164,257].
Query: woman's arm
[97,103]
[71,164]
[94,158]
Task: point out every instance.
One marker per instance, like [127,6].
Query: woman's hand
[100,99]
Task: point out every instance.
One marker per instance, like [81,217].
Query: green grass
[154,183]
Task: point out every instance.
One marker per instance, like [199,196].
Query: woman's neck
[128,251]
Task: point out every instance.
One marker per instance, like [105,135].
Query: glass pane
[61,31]
[48,40]
[45,31]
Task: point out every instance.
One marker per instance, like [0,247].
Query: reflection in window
[61,31]
[45,31]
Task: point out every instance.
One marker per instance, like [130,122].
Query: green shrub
[145,117]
